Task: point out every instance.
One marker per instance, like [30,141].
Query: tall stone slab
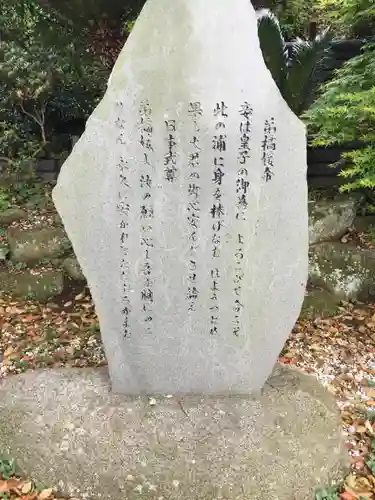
[185,201]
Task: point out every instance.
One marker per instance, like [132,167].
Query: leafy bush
[292,65]
[351,18]
[345,113]
[294,16]
[7,468]
[45,77]
[348,17]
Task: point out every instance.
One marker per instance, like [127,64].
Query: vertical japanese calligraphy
[170,158]
[146,214]
[195,112]
[242,183]
[123,208]
[242,188]
[269,148]
[217,212]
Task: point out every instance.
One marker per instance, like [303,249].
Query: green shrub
[293,65]
[351,18]
[345,113]
[45,76]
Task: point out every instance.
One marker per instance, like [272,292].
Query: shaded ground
[340,351]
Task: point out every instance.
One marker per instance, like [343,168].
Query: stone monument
[186,204]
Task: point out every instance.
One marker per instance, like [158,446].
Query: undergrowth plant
[7,468]
[327,494]
[345,113]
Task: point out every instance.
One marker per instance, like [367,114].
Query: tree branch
[37,119]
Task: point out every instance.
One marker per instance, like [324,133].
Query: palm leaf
[306,61]
[273,46]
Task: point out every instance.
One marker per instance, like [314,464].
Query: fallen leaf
[370,392]
[368,370]
[3,486]
[361,429]
[43,495]
[29,318]
[9,351]
[289,355]
[369,427]
[26,488]
[347,496]
[8,485]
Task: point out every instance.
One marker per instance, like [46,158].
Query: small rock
[330,219]
[73,269]
[11,215]
[319,303]
[39,284]
[33,246]
[346,271]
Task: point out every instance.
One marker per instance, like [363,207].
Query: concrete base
[65,427]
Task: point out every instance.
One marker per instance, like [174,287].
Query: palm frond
[305,62]
[273,46]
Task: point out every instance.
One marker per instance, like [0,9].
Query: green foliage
[46,76]
[345,113]
[348,17]
[294,65]
[295,16]
[5,201]
[7,468]
[370,462]
[327,494]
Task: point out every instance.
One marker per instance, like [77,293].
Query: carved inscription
[123,208]
[217,212]
[195,112]
[269,148]
[146,214]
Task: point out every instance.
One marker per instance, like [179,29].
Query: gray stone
[33,246]
[196,259]
[65,425]
[36,284]
[331,219]
[345,270]
[320,303]
[11,215]
[73,269]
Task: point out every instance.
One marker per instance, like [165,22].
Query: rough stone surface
[11,215]
[177,202]
[319,303]
[73,269]
[33,246]
[331,219]
[345,270]
[65,425]
[37,284]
